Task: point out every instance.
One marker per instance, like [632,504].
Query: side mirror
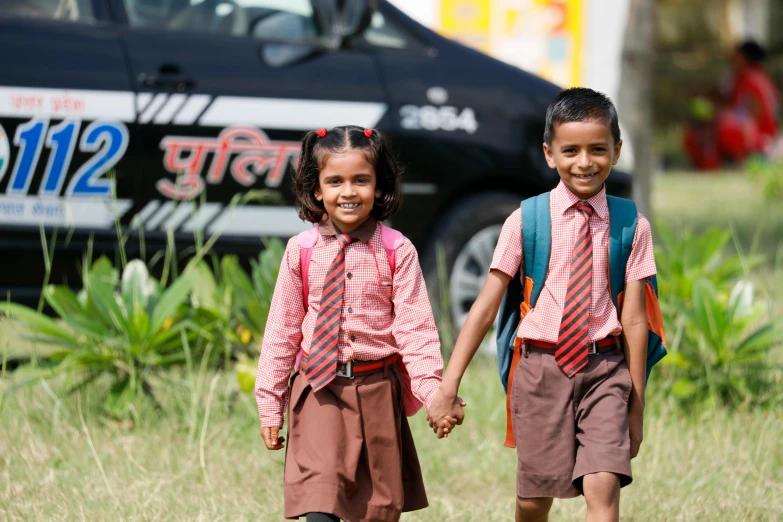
[341,20]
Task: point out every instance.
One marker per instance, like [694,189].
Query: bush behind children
[350,316]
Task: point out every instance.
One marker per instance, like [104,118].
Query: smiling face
[347,188]
[583,152]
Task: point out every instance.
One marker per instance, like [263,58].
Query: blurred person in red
[747,122]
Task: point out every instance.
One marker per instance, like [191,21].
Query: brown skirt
[350,450]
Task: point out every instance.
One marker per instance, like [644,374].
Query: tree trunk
[636,95]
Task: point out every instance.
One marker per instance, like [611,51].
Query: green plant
[125,327]
[768,175]
[252,295]
[237,300]
[719,333]
[684,257]
[251,298]
[721,355]
[442,310]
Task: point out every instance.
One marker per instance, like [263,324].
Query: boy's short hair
[580,104]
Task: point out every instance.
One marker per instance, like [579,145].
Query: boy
[577,400]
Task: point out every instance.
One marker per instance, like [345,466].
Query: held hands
[272,441]
[445,412]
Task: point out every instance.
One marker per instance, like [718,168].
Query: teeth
[348,206]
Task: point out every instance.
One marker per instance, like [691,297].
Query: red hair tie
[320,133]
[368,132]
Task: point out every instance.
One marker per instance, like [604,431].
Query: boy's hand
[445,412]
[272,441]
[636,425]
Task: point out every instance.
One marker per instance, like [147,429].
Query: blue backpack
[519,300]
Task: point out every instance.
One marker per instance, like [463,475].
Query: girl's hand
[446,427]
[272,441]
[444,413]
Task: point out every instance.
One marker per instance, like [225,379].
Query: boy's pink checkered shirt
[543,322]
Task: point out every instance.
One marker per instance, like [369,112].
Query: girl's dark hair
[316,150]
[580,104]
[752,52]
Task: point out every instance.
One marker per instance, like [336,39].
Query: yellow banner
[466,21]
[544,37]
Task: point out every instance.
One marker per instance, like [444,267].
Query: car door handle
[167,81]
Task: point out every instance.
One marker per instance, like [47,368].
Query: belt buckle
[345,370]
[592,348]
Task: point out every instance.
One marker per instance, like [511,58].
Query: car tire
[468,234]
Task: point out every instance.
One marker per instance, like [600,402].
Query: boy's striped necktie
[322,360]
[571,352]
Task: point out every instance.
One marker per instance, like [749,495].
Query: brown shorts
[566,428]
[350,450]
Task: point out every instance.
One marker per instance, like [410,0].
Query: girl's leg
[602,493]
[321,517]
[533,509]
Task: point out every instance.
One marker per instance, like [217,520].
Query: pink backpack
[392,240]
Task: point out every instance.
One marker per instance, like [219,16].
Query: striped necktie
[322,361]
[571,352]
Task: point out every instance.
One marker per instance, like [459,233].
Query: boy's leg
[603,456]
[533,509]
[321,517]
[602,493]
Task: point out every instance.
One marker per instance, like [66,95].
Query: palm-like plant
[126,327]
[723,354]
[720,334]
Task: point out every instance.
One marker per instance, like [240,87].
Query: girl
[347,308]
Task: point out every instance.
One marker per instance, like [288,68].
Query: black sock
[321,517]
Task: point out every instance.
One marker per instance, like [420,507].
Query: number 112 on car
[107,140]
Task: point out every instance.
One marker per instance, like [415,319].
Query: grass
[60,459]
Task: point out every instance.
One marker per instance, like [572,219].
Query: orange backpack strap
[520,298]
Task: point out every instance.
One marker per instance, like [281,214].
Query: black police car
[157,112]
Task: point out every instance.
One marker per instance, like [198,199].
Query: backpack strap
[622,229]
[392,240]
[307,241]
[507,324]
[537,243]
[537,239]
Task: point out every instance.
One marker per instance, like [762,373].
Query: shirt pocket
[377,307]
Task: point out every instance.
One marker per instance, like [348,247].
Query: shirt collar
[565,199]
[363,233]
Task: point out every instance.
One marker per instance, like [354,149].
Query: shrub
[125,327]
[719,333]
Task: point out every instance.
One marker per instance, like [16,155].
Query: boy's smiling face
[583,152]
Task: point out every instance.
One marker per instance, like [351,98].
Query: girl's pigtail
[306,155]
[306,180]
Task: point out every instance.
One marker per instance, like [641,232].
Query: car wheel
[467,235]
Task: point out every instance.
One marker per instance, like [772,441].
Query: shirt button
[349,275]
[353,338]
[350,310]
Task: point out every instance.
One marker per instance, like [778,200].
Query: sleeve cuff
[635,277]
[272,422]
[427,393]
